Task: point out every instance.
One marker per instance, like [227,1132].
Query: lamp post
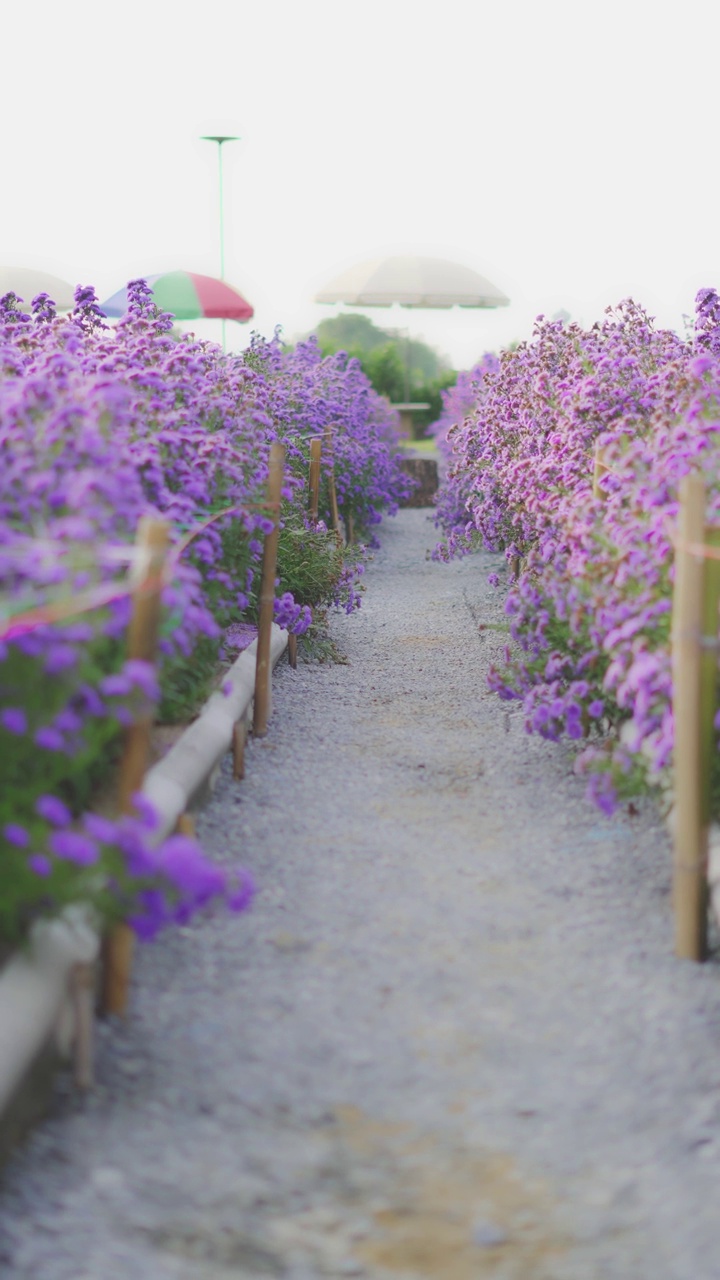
[220,138]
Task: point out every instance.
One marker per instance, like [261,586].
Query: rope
[140,561]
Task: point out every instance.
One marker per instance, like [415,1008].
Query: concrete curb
[182,778]
[39,1011]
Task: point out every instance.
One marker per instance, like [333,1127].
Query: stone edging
[39,1010]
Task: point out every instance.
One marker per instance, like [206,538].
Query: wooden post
[709,669]
[292,650]
[153,537]
[238,749]
[690,858]
[186,825]
[599,470]
[331,480]
[315,455]
[261,704]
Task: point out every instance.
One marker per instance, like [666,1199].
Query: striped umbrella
[187,296]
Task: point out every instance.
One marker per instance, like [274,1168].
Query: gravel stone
[488,1235]
[453,1008]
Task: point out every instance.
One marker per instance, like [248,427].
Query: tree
[346,331]
[399,367]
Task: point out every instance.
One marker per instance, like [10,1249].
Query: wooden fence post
[153,537]
[599,470]
[261,704]
[690,858]
[331,480]
[238,748]
[709,673]
[315,455]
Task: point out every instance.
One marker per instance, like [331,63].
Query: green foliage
[386,371]
[350,331]
[399,367]
[29,772]
[317,645]
[431,393]
[186,683]
[314,564]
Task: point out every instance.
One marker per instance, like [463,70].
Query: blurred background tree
[399,367]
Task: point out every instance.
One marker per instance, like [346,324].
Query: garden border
[41,1005]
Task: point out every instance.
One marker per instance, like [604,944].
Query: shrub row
[590,609]
[100,426]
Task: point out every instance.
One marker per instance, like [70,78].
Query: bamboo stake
[292,650]
[238,749]
[153,537]
[331,480]
[689,875]
[709,670]
[599,470]
[186,825]
[118,948]
[261,705]
[315,455]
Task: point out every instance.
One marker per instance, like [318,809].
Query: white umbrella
[412,282]
[27,283]
[432,283]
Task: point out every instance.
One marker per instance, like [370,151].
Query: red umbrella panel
[187,296]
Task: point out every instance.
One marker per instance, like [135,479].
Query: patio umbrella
[431,283]
[412,282]
[187,296]
[27,283]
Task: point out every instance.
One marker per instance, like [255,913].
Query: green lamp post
[220,139]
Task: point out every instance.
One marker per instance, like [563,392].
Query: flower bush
[100,426]
[590,608]
[451,513]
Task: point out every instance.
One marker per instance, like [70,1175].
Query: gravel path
[450,1040]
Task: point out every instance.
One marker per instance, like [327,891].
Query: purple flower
[68,722]
[241,894]
[16,835]
[49,739]
[73,846]
[41,865]
[146,812]
[53,810]
[100,828]
[60,658]
[14,720]
[144,677]
[115,686]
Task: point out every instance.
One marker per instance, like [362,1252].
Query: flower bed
[590,607]
[100,427]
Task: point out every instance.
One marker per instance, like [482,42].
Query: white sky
[567,150]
